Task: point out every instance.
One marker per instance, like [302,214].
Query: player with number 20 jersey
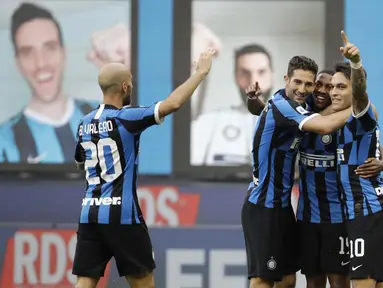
[111,222]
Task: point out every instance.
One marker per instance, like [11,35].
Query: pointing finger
[256,86]
[344,37]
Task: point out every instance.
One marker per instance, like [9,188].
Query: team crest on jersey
[271,264]
[326,139]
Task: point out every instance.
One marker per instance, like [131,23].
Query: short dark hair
[345,69]
[327,71]
[27,12]
[251,49]
[302,63]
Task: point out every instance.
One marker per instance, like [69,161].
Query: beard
[264,97]
[127,99]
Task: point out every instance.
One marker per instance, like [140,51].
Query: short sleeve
[288,113]
[137,119]
[366,118]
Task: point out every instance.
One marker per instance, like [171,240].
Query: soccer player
[268,220]
[319,214]
[358,141]
[111,222]
[40,55]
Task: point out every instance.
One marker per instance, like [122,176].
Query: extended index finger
[344,37]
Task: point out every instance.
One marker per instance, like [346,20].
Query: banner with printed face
[52,51]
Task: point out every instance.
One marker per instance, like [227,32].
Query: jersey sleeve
[137,119]
[366,118]
[288,113]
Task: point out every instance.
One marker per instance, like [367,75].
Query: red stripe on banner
[43,259]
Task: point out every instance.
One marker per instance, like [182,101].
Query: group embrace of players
[326,119]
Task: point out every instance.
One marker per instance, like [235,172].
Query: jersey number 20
[98,157]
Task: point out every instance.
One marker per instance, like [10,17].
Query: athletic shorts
[130,246]
[271,240]
[323,248]
[366,251]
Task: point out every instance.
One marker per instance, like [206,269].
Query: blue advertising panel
[155,42]
[365,34]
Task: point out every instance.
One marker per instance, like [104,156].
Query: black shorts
[130,246]
[271,241]
[365,234]
[323,249]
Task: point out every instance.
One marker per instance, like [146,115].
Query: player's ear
[124,87]
[286,79]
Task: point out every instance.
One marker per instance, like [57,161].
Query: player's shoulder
[282,103]
[11,122]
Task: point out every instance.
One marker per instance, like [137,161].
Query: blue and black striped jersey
[275,147]
[108,145]
[319,196]
[30,138]
[358,140]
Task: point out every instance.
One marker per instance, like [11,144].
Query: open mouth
[320,98]
[44,77]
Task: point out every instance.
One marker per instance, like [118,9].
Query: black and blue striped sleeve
[290,113]
[137,119]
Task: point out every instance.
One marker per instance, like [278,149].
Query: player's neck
[114,100]
[54,110]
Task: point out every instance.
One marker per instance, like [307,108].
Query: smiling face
[322,91]
[41,57]
[300,85]
[341,92]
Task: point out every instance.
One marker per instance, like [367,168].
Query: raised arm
[358,77]
[183,92]
[326,124]
[254,104]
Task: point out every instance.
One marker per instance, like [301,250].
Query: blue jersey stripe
[358,140]
[115,135]
[45,149]
[127,196]
[275,146]
[319,193]
[26,139]
[270,188]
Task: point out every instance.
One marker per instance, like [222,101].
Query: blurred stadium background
[193,211]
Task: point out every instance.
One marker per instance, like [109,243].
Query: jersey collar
[69,109]
[108,106]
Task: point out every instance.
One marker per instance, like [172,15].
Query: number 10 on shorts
[354,248]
